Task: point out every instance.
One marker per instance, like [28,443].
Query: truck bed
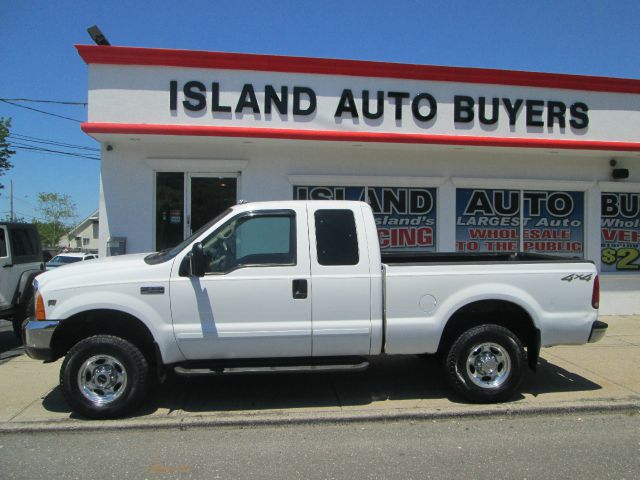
[474,258]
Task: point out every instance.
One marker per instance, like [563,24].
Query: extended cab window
[336,238]
[261,240]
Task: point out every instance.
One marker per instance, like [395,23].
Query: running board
[242,368]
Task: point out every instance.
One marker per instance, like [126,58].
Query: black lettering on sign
[512,109]
[215,99]
[482,114]
[379,107]
[272,98]
[397,98]
[194,91]
[463,109]
[347,104]
[247,99]
[556,111]
[534,113]
[579,117]
[173,95]
[415,107]
[298,96]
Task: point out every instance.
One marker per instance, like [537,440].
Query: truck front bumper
[37,338]
[598,329]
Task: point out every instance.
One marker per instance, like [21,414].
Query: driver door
[253,300]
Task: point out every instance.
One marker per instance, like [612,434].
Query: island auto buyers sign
[494,220]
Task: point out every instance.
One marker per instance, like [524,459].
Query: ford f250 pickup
[301,285]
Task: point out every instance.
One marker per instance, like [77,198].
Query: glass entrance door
[185,202]
[207,197]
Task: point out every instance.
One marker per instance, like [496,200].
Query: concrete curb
[631,405]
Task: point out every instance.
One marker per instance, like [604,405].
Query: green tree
[5,150]
[56,210]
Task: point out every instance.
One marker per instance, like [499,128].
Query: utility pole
[11,202]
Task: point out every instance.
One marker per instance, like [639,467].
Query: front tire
[485,364]
[104,377]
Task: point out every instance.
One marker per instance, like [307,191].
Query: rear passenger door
[341,281]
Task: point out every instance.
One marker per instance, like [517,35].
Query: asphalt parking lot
[593,377]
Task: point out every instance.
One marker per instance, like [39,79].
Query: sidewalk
[600,376]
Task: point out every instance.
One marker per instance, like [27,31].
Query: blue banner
[492,220]
[620,232]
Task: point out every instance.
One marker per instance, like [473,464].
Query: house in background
[84,236]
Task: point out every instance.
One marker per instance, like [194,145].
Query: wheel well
[103,322]
[499,312]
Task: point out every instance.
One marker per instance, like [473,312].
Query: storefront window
[169,209]
[620,232]
[492,220]
[178,215]
[405,216]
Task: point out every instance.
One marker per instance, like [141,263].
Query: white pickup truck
[296,285]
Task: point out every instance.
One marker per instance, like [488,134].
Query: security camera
[620,173]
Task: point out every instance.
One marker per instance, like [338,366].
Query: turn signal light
[40,314]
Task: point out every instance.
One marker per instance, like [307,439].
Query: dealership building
[450,159]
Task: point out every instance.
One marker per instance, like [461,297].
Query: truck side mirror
[197,260]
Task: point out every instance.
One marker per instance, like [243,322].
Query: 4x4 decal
[577,276]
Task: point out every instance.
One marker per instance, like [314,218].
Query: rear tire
[104,377]
[485,364]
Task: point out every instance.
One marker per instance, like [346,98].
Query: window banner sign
[491,220]
[620,232]
[405,216]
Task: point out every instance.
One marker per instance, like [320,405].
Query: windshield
[64,259]
[168,254]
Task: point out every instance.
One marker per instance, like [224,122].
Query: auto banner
[492,220]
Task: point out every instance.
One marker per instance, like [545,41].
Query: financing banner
[620,232]
[405,216]
[492,220]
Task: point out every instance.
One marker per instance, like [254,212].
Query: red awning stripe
[342,136]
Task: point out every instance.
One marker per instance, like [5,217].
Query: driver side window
[261,240]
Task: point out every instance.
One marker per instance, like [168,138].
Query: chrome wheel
[488,365]
[102,379]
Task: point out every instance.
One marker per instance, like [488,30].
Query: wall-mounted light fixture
[97,36]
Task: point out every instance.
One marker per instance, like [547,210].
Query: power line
[23,215]
[39,111]
[43,101]
[18,146]
[27,138]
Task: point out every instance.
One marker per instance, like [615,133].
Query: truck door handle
[299,289]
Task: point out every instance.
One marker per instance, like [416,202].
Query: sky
[39,61]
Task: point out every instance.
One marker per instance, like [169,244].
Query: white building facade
[451,159]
